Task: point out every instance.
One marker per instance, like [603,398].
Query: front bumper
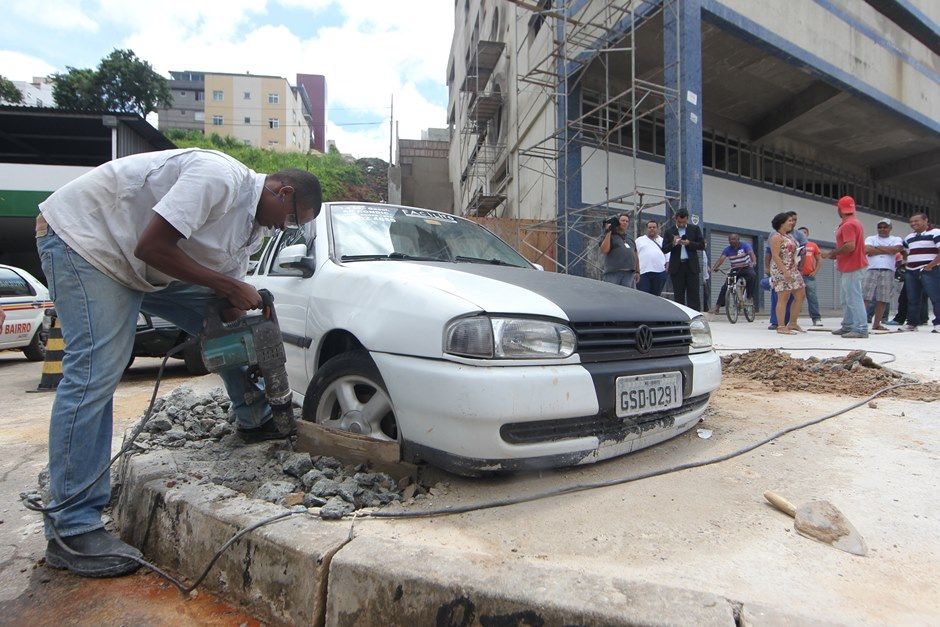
[468,418]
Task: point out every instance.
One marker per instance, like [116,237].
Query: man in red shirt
[850,262]
[809,268]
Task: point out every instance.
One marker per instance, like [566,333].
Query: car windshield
[370,232]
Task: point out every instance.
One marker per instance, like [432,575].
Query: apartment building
[262,111]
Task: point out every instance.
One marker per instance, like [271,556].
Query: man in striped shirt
[922,248]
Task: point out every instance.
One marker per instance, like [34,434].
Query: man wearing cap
[850,258]
[879,278]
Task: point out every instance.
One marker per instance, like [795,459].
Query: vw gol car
[24,301]
[418,326]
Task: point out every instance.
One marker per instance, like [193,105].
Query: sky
[369,50]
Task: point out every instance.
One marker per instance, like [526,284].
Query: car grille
[610,341]
[605,426]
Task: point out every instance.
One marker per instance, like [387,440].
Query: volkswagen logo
[644,339]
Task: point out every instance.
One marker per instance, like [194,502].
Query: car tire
[192,357]
[36,349]
[348,393]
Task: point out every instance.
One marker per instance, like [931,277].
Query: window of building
[247,95]
[217,120]
[199,116]
[272,142]
[200,95]
[273,98]
[273,123]
[182,111]
[247,142]
[182,93]
[218,95]
[247,119]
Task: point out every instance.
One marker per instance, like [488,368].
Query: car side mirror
[294,261]
[539,266]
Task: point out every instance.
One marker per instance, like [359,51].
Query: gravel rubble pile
[203,425]
[854,374]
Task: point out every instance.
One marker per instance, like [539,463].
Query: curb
[306,571]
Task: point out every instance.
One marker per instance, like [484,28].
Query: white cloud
[59,15]
[17,66]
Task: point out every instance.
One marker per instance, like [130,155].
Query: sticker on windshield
[376,214]
[429,215]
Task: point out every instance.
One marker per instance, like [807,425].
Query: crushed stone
[203,425]
[854,374]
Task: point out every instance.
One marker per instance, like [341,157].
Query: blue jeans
[99,320]
[812,302]
[853,304]
[773,308]
[918,283]
[626,278]
[652,282]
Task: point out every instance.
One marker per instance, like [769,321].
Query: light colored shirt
[209,197]
[883,261]
[922,248]
[683,251]
[652,258]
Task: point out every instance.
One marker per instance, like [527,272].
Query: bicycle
[736,299]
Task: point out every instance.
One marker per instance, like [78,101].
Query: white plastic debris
[704,433]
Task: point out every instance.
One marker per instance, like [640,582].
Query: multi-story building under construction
[562,112]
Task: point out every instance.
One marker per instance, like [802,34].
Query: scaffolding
[595,38]
[482,150]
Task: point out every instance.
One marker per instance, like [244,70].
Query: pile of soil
[855,374]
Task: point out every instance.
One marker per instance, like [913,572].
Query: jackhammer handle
[780,503]
[267,304]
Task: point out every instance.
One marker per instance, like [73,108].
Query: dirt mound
[855,374]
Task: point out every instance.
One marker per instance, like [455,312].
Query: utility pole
[391,130]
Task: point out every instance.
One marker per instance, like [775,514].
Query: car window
[12,284]
[361,231]
[290,237]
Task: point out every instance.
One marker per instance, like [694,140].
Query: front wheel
[348,393]
[731,305]
[36,349]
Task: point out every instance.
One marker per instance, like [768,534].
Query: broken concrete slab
[279,571]
[373,580]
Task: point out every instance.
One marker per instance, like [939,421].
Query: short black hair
[682,213]
[307,191]
[648,222]
[779,219]
[803,228]
[791,213]
[920,214]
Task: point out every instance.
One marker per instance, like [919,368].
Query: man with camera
[621,262]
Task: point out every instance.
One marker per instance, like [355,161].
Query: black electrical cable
[449,511]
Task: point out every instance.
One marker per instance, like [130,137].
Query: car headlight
[701,333]
[508,338]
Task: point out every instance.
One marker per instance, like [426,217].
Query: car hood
[502,289]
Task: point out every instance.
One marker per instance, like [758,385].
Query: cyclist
[743,261]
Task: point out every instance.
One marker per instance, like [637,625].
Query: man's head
[735,240]
[652,229]
[884,227]
[290,198]
[919,222]
[805,231]
[846,206]
[682,218]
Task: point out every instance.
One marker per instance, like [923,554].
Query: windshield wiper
[394,255]
[494,261]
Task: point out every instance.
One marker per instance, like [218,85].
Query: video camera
[613,222]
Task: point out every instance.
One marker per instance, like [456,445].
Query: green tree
[9,91]
[122,82]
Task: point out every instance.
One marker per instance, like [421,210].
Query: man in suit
[681,242]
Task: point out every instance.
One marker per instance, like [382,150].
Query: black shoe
[93,543]
[267,431]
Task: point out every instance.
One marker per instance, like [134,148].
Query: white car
[421,327]
[24,301]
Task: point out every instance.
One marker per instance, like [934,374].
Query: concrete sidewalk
[699,546]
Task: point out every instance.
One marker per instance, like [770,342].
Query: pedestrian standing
[165,233]
[879,278]
[621,263]
[809,268]
[653,273]
[681,241]
[801,242]
[923,274]
[785,277]
[851,261]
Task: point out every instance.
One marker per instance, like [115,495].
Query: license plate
[645,393]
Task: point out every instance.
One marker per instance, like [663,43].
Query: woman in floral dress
[785,277]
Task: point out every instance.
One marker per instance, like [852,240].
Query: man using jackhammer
[164,233]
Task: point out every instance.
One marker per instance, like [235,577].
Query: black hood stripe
[582,300]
